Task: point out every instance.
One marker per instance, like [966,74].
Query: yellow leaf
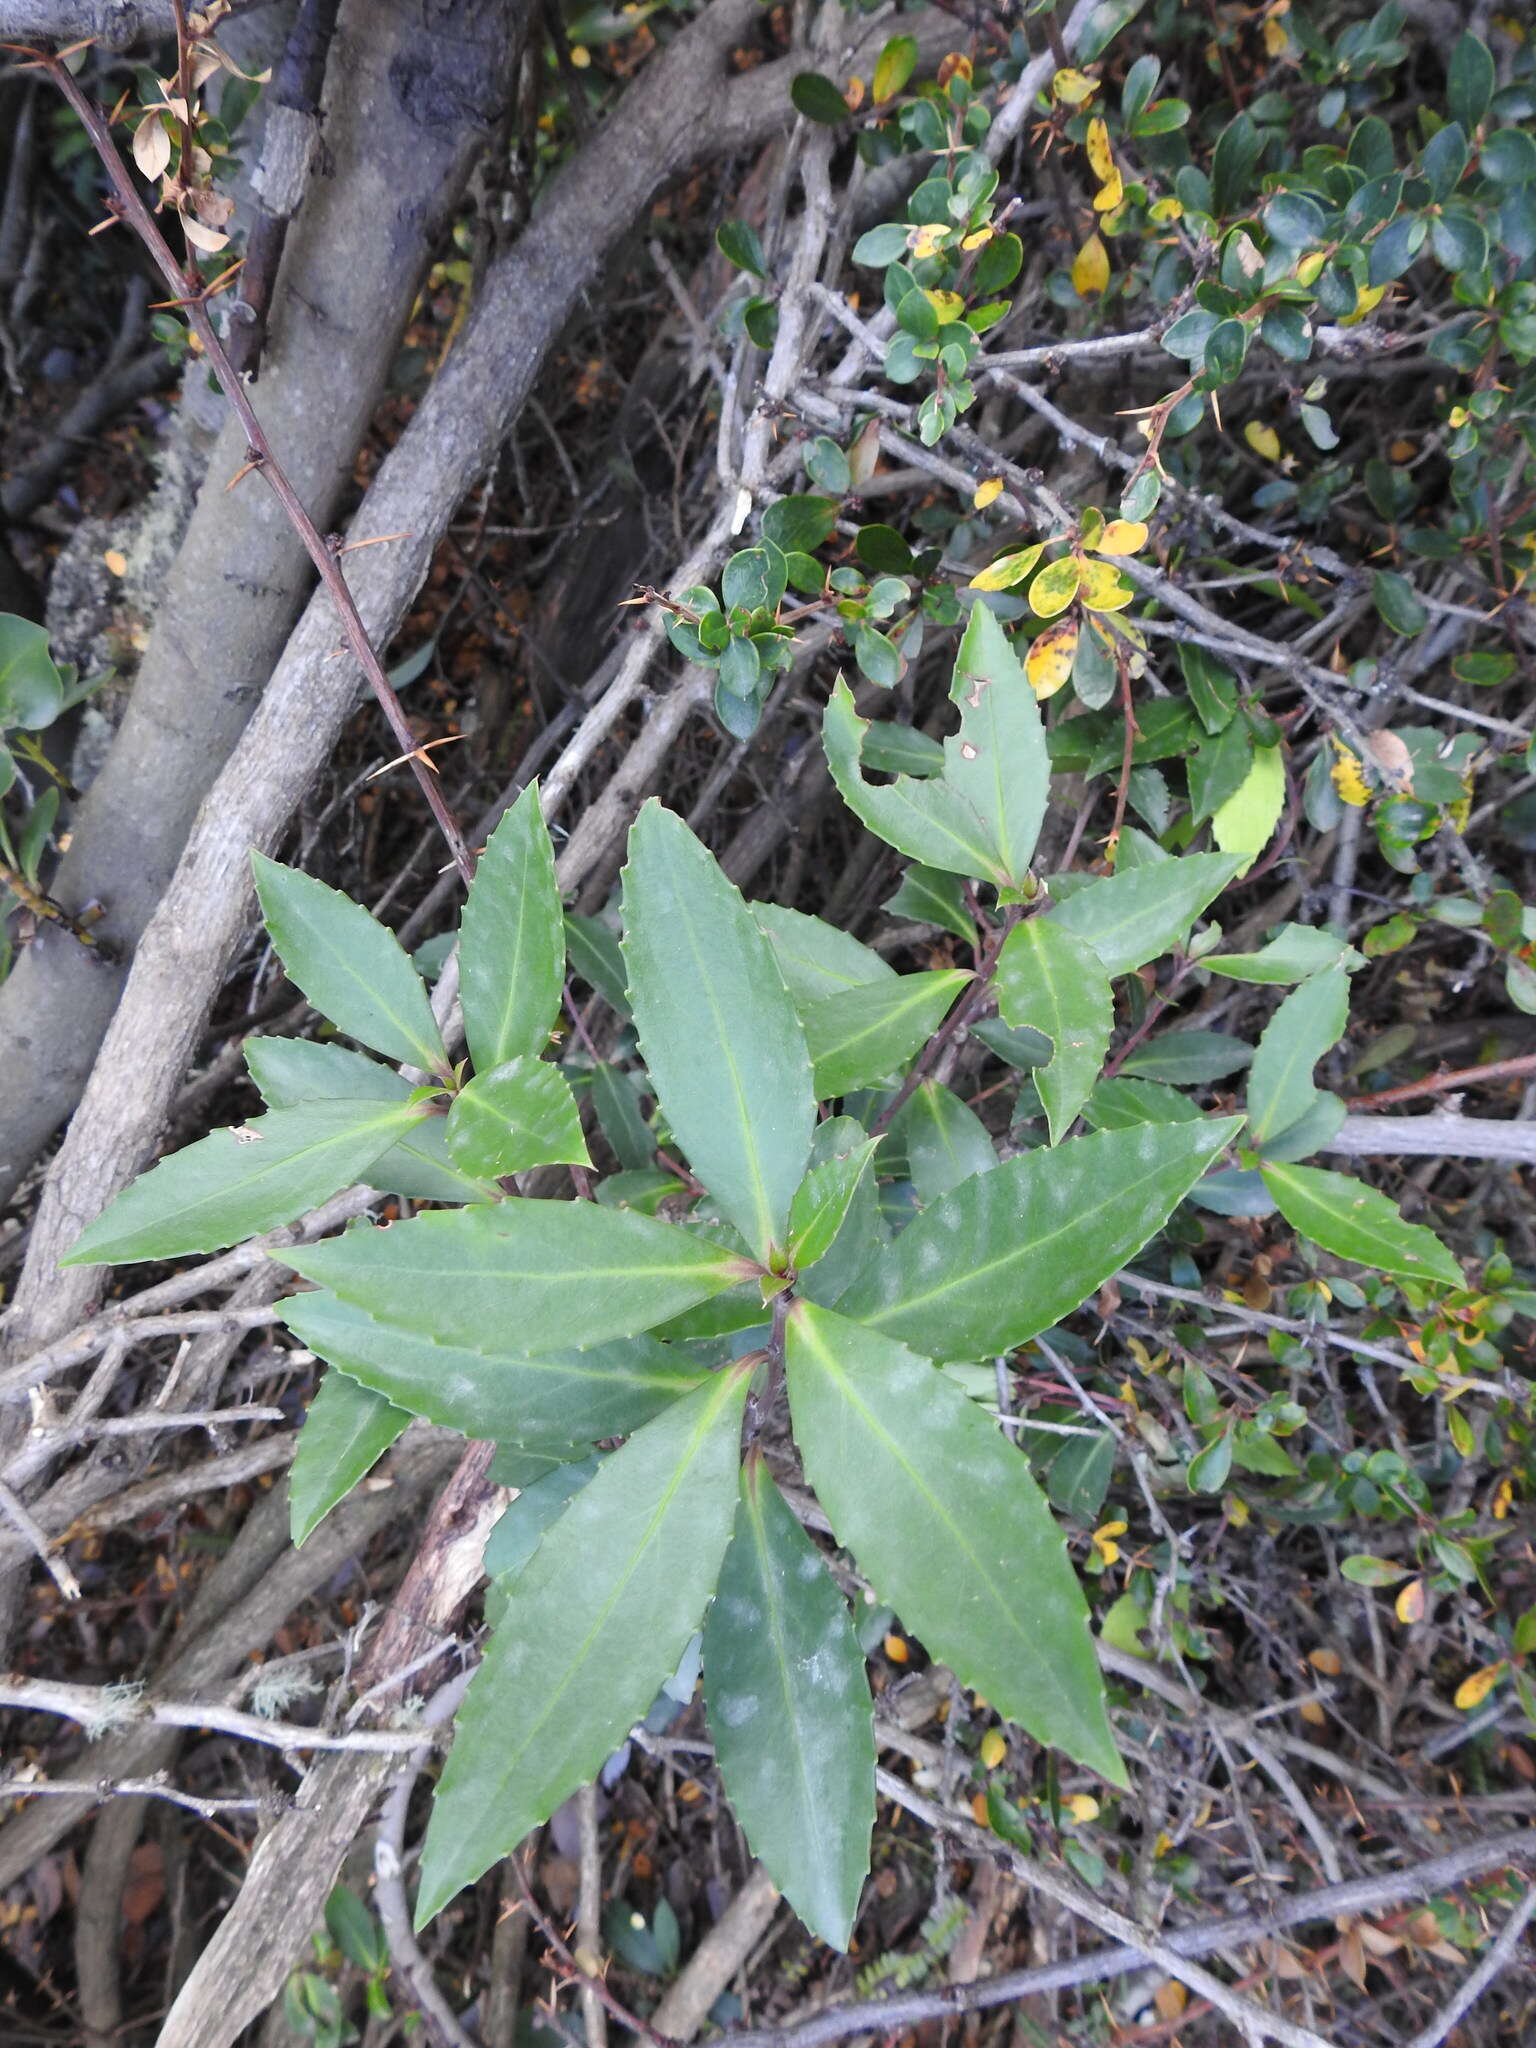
[1503,1496]
[1474,1690]
[1276,41]
[1262,440]
[1082,1806]
[980,1812]
[1349,778]
[116,561]
[854,95]
[1329,1662]
[1101,157]
[1121,537]
[1007,569]
[1410,1602]
[1073,88]
[1308,268]
[948,305]
[1054,588]
[1164,210]
[979,240]
[1090,268]
[209,240]
[1246,821]
[989,489]
[1368,301]
[994,1747]
[896,1649]
[1104,588]
[1170,1998]
[1048,662]
[927,241]
[1109,195]
[581,56]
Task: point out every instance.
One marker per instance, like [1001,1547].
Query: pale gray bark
[684,105]
[117,23]
[406,111]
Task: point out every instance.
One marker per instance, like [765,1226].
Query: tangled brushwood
[766,990]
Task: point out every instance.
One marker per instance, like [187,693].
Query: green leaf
[790,1711]
[1295,952]
[928,896]
[862,1231]
[944,1518]
[514,1116]
[863,1035]
[557,1273]
[289,1071]
[512,943]
[818,99]
[240,1181]
[922,818]
[1209,1468]
[352,969]
[563,1397]
[355,1931]
[598,958]
[1132,917]
[1116,1105]
[1306,1024]
[1055,983]
[718,1031]
[618,1112]
[1398,602]
[594,1627]
[894,66]
[1361,1569]
[982,816]
[944,1141]
[31,689]
[800,525]
[997,761]
[521,1529]
[1009,1253]
[346,1430]
[822,1201]
[1357,1222]
[1470,80]
[739,244]
[814,957]
[1245,823]
[1188,1058]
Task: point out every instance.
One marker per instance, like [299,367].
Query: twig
[723,1951]
[1442,1083]
[187,290]
[1478,1982]
[98,1709]
[389,1877]
[156,1787]
[1253,2022]
[37,1539]
[589,1920]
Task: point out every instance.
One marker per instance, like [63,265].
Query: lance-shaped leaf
[552,1274]
[721,1041]
[944,1141]
[346,1430]
[865,1034]
[929,896]
[237,1182]
[822,1201]
[1357,1222]
[512,940]
[594,1626]
[814,957]
[862,1231]
[1131,917]
[982,816]
[1307,1023]
[562,1397]
[1011,1252]
[293,1070]
[514,1116]
[925,819]
[352,969]
[1296,951]
[943,1516]
[790,1711]
[997,761]
[1055,982]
